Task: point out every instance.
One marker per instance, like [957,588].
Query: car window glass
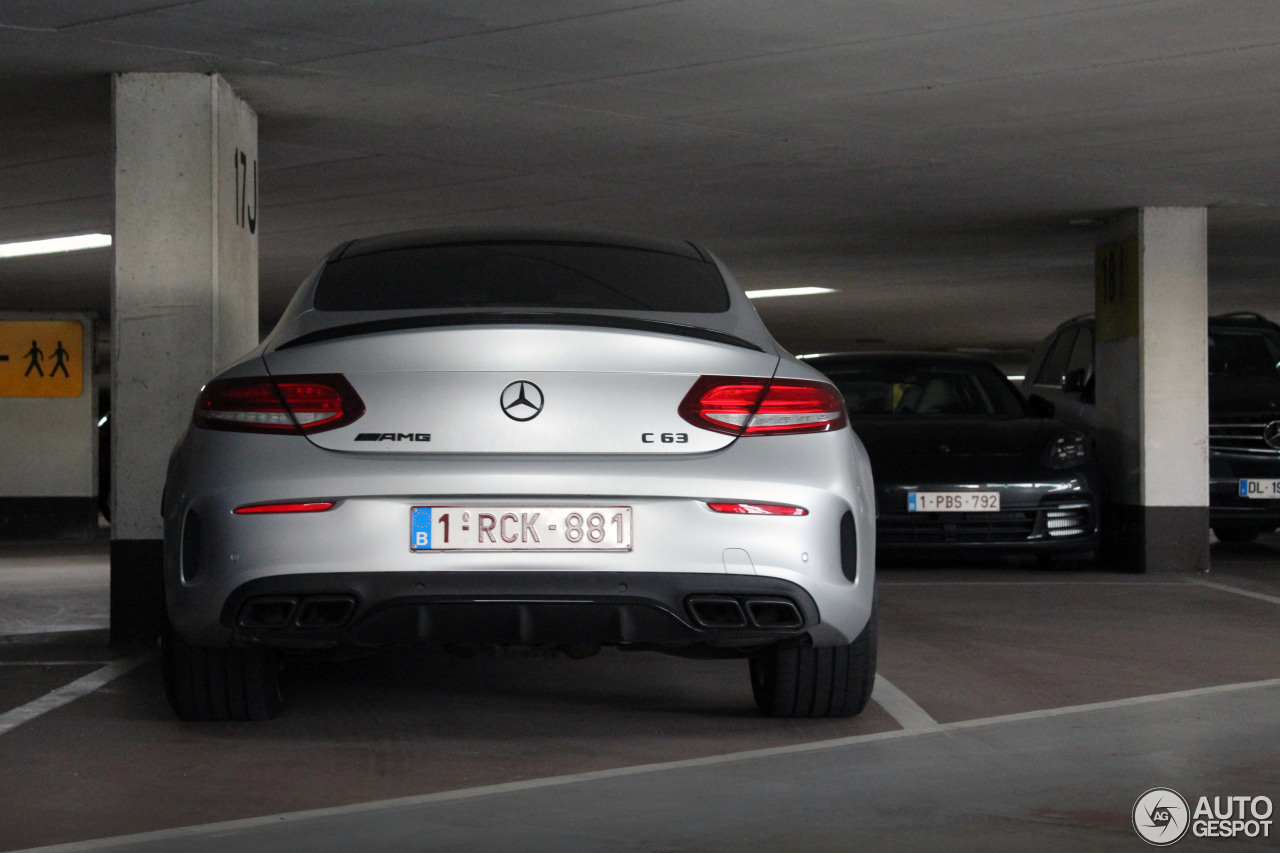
[522,275]
[905,389]
[1082,352]
[1243,352]
[1055,364]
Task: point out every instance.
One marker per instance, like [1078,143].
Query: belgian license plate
[520,528]
[1260,489]
[953,502]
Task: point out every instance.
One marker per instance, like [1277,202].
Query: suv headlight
[1067,451]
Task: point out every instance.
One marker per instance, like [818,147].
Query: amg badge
[393,436]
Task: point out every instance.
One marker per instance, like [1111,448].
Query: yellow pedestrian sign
[41,358]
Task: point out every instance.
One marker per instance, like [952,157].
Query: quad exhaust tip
[288,611]
[774,613]
[331,611]
[727,612]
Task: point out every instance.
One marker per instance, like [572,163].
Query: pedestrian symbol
[60,361]
[41,358]
[36,356]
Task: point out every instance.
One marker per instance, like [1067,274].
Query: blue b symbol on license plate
[420,528]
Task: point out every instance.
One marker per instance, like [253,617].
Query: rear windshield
[907,389]
[522,275]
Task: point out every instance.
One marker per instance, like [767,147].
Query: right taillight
[278,404]
[750,406]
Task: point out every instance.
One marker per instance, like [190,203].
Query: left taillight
[284,508]
[749,406]
[278,404]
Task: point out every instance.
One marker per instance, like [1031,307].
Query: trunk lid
[517,389]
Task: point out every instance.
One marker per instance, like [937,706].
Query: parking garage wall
[48,443]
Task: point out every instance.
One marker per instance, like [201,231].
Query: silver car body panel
[605,390]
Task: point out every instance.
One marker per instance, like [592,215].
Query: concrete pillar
[184,298]
[1152,387]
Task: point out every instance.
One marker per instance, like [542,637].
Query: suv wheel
[802,681]
[1236,534]
[205,684]
[1084,562]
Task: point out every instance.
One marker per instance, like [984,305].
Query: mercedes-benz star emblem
[521,400]
[1271,434]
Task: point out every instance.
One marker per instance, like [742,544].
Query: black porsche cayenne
[962,463]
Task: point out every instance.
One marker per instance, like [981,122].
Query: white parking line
[50,663]
[1233,589]
[1114,703]
[70,692]
[1127,580]
[554,781]
[902,707]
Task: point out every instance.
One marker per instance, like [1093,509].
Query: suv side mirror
[1075,380]
[1039,406]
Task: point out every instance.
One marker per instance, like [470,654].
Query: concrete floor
[1017,710]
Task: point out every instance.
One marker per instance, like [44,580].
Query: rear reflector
[751,406]
[254,509]
[278,404]
[758,509]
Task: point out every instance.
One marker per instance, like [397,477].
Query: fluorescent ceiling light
[56,244]
[788,291]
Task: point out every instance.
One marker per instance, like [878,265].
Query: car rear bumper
[310,611]
[213,555]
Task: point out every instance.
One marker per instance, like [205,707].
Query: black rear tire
[204,684]
[802,681]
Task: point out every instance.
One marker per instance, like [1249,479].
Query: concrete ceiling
[939,163]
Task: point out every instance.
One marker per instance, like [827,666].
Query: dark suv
[1244,412]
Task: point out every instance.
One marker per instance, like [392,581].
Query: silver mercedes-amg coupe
[488,439]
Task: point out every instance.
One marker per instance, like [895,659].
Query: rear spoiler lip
[516,318]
